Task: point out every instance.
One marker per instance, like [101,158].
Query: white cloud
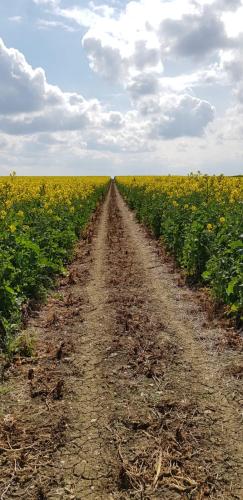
[16,19]
[59,118]
[135,45]
[177,116]
[82,16]
[45,24]
[145,56]
[169,59]
[22,88]
[228,130]
[233,22]
[113,120]
[29,104]
[228,5]
[105,59]
[143,84]
[232,64]
[50,3]
[194,35]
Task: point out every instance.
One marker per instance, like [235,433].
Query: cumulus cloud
[228,129]
[145,57]
[143,84]
[118,43]
[228,5]
[113,120]
[136,44]
[169,58]
[131,137]
[52,120]
[177,116]
[29,104]
[232,65]
[139,29]
[194,35]
[104,59]
[110,62]
[151,52]
[22,88]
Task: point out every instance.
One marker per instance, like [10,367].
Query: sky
[121,87]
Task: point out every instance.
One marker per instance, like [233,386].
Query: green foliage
[203,231]
[22,345]
[36,243]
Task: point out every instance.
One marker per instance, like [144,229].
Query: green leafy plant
[203,230]
[39,225]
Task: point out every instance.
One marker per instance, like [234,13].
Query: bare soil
[132,392]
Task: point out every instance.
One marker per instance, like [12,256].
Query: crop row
[200,221]
[40,221]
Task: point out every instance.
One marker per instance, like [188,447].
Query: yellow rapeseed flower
[12,228]
[3,214]
[218,187]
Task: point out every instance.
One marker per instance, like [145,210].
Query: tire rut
[88,456]
[177,435]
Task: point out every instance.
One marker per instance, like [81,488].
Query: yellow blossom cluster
[49,190]
[217,187]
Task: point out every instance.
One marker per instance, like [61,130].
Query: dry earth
[132,393]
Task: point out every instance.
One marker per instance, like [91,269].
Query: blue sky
[146,86]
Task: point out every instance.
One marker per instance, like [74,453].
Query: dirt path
[86,458]
[131,393]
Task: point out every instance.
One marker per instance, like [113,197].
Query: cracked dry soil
[130,393]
